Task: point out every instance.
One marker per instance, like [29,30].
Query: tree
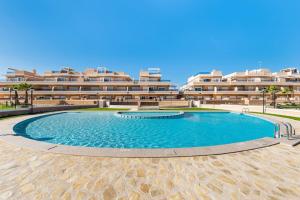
[287,92]
[273,90]
[22,87]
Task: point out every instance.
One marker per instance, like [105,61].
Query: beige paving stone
[66,196]
[27,188]
[141,173]
[176,196]
[145,188]
[266,173]
[6,195]
[156,192]
[80,195]
[109,193]
[134,196]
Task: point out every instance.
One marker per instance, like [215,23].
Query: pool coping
[7,135]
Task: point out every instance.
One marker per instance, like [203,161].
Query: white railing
[97,92]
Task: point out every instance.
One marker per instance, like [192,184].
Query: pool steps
[137,116]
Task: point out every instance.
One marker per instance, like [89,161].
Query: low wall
[165,104]
[48,102]
[65,102]
[7,113]
[81,102]
[239,108]
[124,103]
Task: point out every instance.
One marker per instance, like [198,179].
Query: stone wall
[81,102]
[165,104]
[65,102]
[48,102]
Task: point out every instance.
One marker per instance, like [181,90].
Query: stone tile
[266,173]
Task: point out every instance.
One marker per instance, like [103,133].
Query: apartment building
[92,84]
[242,87]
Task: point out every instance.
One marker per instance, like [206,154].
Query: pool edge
[8,135]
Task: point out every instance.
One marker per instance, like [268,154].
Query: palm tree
[22,87]
[287,92]
[273,90]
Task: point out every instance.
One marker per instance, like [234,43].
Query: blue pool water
[105,129]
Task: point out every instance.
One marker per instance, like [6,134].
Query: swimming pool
[105,129]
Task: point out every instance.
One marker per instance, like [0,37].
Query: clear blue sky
[182,37]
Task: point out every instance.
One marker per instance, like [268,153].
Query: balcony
[245,92]
[91,83]
[103,80]
[248,83]
[61,80]
[239,92]
[10,73]
[100,92]
[293,81]
[152,81]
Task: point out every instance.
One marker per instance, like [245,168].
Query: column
[215,89]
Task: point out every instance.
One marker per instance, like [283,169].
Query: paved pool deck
[266,173]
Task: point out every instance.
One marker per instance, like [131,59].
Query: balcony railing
[68,80]
[152,80]
[238,81]
[94,81]
[292,81]
[96,91]
[248,83]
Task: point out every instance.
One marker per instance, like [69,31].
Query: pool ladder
[245,110]
[289,130]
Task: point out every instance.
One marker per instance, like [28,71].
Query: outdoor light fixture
[264,90]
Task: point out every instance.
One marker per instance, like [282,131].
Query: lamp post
[16,97]
[264,90]
[127,99]
[200,92]
[98,100]
[9,96]
[31,99]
